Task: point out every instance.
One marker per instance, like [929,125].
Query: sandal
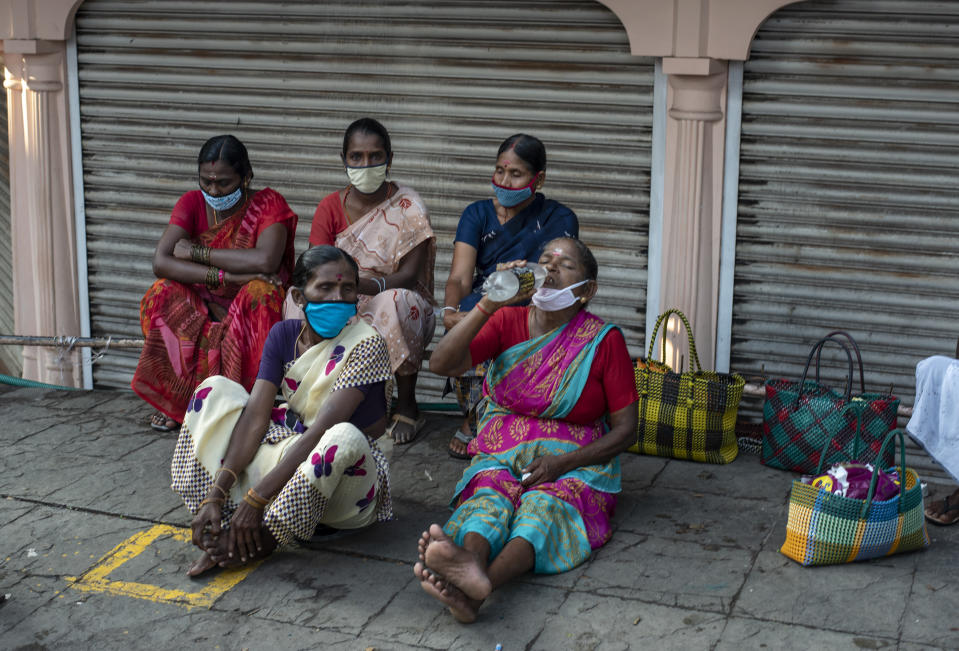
[159,420]
[417,426]
[947,508]
[465,440]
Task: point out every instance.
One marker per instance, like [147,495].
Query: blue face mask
[328,318]
[509,197]
[225,202]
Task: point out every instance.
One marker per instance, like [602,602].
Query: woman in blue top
[513,225]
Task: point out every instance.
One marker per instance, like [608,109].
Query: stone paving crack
[84,509]
[900,629]
[39,431]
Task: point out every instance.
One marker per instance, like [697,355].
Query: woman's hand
[491,305]
[244,539]
[542,470]
[512,264]
[182,248]
[450,319]
[208,515]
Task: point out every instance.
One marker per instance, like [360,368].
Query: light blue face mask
[225,202]
[509,197]
[328,318]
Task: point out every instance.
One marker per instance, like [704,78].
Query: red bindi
[339,276]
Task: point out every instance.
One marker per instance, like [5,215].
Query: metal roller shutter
[449,79]
[848,208]
[11,358]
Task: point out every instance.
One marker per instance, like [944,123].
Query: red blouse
[611,384]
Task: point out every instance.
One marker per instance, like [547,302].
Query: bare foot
[457,566]
[460,606]
[421,546]
[201,565]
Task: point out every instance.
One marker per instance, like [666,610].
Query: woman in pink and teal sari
[541,488]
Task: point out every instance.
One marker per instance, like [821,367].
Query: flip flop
[465,440]
[417,426]
[162,426]
[949,507]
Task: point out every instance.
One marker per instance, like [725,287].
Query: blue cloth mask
[509,197]
[225,202]
[328,318]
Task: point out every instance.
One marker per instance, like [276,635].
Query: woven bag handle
[855,451]
[693,357]
[805,372]
[891,436]
[855,347]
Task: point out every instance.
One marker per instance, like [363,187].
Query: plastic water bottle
[504,285]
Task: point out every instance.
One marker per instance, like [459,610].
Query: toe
[436,532]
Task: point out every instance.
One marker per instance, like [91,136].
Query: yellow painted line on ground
[95,580]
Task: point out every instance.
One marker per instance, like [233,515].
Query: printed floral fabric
[378,241]
[530,388]
[343,482]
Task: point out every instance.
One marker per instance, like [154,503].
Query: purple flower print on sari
[355,470]
[335,358]
[288,418]
[197,400]
[323,464]
[365,502]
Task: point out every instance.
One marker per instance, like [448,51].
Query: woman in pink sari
[541,488]
[386,228]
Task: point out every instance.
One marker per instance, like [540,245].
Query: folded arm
[172,257]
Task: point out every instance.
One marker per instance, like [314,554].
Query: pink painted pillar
[692,213]
[43,231]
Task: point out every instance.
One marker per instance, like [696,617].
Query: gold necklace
[296,344]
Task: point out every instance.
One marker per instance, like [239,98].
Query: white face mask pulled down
[552,300]
[367,179]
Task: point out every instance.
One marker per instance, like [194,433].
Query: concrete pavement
[92,556]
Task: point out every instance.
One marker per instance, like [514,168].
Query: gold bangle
[213,278]
[249,500]
[222,468]
[256,497]
[225,492]
[212,500]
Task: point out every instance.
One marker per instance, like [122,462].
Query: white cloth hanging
[935,415]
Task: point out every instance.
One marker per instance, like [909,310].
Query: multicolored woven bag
[824,528]
[688,415]
[799,418]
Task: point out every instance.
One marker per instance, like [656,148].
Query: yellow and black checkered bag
[689,415]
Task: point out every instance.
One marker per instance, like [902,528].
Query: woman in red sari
[221,265]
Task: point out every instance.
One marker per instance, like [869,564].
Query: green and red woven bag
[824,528]
[689,415]
[800,418]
